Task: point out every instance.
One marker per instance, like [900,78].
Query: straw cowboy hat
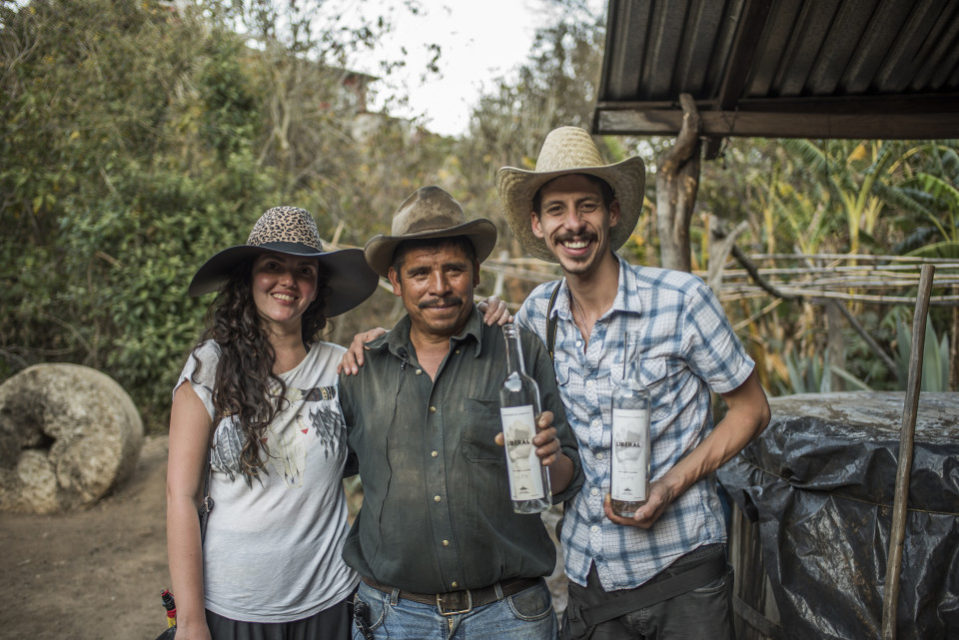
[570,150]
[429,212]
[292,231]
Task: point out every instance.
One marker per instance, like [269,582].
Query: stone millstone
[68,435]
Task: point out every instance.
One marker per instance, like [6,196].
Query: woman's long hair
[244,373]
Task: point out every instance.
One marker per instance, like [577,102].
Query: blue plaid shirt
[673,322]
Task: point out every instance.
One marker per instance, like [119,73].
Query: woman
[255,416]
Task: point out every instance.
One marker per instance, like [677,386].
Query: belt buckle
[442,609]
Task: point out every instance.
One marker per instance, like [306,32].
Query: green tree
[137,140]
[555,86]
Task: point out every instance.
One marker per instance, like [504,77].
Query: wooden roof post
[677,182]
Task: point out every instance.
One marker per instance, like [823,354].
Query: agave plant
[935,357]
[814,374]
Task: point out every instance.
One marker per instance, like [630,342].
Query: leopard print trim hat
[292,231]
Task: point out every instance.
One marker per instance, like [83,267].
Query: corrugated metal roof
[783,68]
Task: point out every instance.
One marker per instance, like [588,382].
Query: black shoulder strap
[580,621]
[551,321]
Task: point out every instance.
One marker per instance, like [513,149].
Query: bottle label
[630,463]
[525,477]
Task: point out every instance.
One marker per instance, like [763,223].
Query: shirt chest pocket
[657,374]
[662,376]
[482,424]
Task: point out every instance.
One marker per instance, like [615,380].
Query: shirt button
[589,384]
[600,456]
[454,584]
[432,409]
[434,453]
[446,543]
[419,372]
[457,351]
[436,498]
[579,343]
[596,423]
[594,491]
[594,528]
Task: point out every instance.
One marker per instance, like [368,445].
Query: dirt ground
[90,575]
[97,574]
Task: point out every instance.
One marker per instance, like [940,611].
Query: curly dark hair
[244,372]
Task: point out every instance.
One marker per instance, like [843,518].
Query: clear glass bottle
[519,405]
[629,482]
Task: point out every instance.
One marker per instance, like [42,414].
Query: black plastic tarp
[820,480]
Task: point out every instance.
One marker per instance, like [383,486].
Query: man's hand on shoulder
[661,496]
[494,311]
[353,358]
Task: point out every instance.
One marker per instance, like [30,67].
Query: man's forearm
[726,440]
[746,417]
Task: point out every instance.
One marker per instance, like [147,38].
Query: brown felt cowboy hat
[429,212]
[565,151]
[292,231]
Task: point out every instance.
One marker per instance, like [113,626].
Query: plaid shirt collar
[627,301]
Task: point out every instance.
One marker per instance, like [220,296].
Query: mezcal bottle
[629,486]
[519,405]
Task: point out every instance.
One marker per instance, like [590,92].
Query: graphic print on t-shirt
[308,418]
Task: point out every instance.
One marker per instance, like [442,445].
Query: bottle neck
[632,366]
[514,351]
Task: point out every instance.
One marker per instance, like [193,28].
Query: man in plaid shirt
[661,572]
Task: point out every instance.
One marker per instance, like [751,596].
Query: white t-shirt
[273,545]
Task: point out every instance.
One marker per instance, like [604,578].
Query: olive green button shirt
[436,512]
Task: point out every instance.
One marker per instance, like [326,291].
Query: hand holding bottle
[546,439]
[661,494]
[520,410]
[630,438]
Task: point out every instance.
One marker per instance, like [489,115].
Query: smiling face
[283,288]
[436,284]
[574,223]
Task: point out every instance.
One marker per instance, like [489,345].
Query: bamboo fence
[817,277]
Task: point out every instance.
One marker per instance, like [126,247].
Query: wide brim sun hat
[429,212]
[292,231]
[569,150]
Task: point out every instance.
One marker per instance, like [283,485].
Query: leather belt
[464,601]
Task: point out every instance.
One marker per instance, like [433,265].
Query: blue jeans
[527,615]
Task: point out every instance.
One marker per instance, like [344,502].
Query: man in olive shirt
[439,548]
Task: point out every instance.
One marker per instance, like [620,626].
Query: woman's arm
[190,427]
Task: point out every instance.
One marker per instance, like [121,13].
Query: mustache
[588,236]
[445,301]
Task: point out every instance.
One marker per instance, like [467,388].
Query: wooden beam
[920,103]
[784,125]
